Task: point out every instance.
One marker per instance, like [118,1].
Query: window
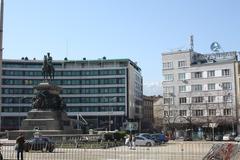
[198,112]
[121,99]
[140,138]
[226,72]
[182,88]
[227,112]
[168,101]
[168,89]
[165,113]
[182,100]
[211,73]
[211,98]
[197,75]
[211,86]
[120,81]
[227,86]
[121,90]
[181,76]
[197,87]
[227,98]
[168,77]
[121,71]
[197,99]
[183,113]
[67,73]
[182,64]
[168,65]
[212,112]
[171,113]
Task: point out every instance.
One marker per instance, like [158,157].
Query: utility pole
[1,29]
[1,53]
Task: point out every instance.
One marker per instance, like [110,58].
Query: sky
[140,30]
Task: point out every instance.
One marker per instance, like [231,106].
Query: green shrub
[119,135]
[114,136]
[108,136]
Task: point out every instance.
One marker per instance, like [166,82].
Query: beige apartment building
[200,91]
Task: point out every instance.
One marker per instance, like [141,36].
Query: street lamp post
[110,111]
[109,122]
[19,107]
[114,99]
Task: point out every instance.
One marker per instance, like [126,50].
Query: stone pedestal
[47,120]
[47,116]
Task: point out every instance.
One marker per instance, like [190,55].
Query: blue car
[160,138]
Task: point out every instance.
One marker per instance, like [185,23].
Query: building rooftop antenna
[191,43]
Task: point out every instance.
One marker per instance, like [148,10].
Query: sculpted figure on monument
[38,102]
[47,68]
[62,104]
[45,100]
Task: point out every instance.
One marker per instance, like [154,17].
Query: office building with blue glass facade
[105,92]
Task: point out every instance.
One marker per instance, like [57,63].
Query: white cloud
[152,88]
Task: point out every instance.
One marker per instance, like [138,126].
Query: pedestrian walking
[20,145]
[130,141]
[133,142]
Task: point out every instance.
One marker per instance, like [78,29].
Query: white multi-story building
[199,90]
[106,92]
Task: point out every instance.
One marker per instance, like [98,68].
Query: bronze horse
[47,69]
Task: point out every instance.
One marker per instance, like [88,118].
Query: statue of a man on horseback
[47,68]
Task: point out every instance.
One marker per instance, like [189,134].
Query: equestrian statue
[47,68]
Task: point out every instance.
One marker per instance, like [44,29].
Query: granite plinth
[47,120]
[47,116]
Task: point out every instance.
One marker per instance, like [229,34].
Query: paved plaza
[169,151]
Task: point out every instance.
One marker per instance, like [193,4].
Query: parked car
[237,139]
[218,137]
[228,137]
[209,137]
[40,143]
[143,141]
[146,135]
[159,138]
[187,138]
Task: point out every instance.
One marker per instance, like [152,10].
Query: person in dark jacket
[20,145]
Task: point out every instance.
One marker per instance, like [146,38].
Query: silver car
[237,139]
[143,141]
[228,137]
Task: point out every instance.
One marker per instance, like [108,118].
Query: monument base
[47,120]
[28,134]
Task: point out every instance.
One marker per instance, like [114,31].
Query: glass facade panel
[121,71]
[58,73]
[67,73]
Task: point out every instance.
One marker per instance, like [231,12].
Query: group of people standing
[130,141]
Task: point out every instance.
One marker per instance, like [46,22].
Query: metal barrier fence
[173,150]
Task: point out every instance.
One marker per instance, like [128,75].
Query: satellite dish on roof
[215,47]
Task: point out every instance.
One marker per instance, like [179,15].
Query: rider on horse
[48,69]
